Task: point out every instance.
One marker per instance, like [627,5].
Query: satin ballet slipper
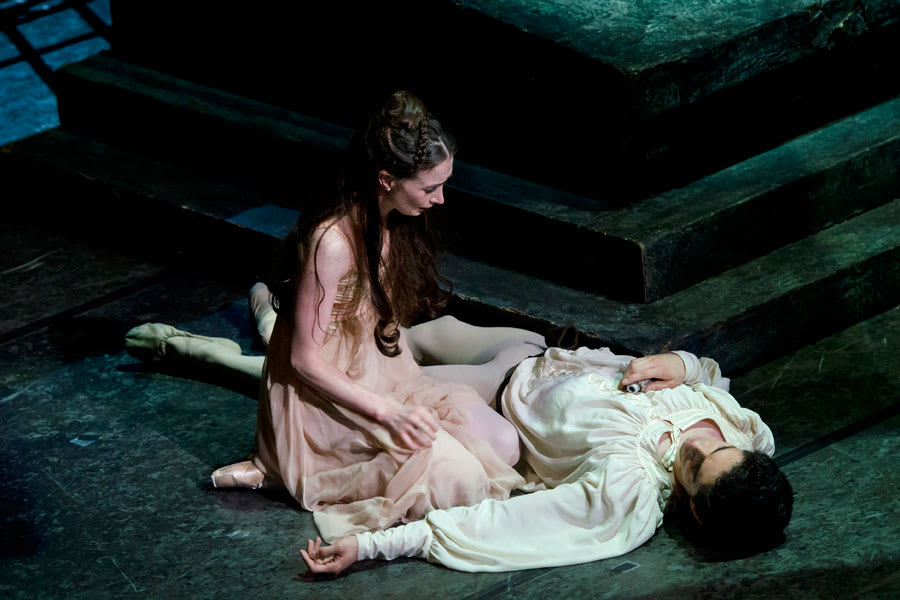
[261,310]
[242,474]
[148,341]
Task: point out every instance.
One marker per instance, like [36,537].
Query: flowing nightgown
[346,467]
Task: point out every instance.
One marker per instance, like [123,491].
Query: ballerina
[348,422]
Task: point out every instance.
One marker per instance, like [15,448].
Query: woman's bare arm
[330,259]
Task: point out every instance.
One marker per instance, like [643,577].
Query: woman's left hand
[330,559]
[667,371]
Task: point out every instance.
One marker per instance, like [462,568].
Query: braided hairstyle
[402,138]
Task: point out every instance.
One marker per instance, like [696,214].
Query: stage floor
[105,461]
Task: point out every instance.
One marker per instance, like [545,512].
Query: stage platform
[165,192]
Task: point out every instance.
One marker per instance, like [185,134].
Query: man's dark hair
[748,506]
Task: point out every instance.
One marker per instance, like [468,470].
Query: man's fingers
[647,367]
[327,563]
[660,384]
[633,372]
[311,564]
[663,370]
[330,566]
[632,377]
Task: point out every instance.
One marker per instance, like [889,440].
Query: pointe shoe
[242,474]
[148,341]
[261,310]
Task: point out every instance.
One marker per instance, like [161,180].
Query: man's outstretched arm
[573,523]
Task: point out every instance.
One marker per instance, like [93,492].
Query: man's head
[748,505]
[739,498]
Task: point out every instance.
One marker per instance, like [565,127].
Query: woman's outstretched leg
[219,357]
[158,342]
[477,356]
[449,341]
[446,341]
[457,351]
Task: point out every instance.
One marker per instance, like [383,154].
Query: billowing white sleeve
[702,370]
[572,523]
[412,539]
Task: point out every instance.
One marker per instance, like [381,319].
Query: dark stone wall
[556,111]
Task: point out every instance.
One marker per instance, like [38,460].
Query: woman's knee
[506,444]
[500,434]
[456,475]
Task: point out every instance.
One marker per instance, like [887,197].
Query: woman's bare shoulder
[331,243]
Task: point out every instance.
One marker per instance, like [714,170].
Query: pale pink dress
[345,466]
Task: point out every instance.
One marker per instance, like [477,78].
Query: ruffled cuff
[702,370]
[692,372]
[412,539]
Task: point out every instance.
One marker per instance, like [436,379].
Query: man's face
[702,459]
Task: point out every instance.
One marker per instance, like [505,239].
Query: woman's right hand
[413,427]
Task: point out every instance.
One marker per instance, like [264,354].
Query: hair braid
[422,142]
[402,138]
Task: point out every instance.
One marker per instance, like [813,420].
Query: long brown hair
[403,139]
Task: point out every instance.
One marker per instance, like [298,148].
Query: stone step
[653,248]
[642,96]
[743,316]
[144,201]
[650,249]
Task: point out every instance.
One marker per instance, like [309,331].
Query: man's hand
[330,559]
[667,371]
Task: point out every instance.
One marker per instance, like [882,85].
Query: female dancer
[347,421]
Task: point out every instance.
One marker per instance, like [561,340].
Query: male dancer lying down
[604,466]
